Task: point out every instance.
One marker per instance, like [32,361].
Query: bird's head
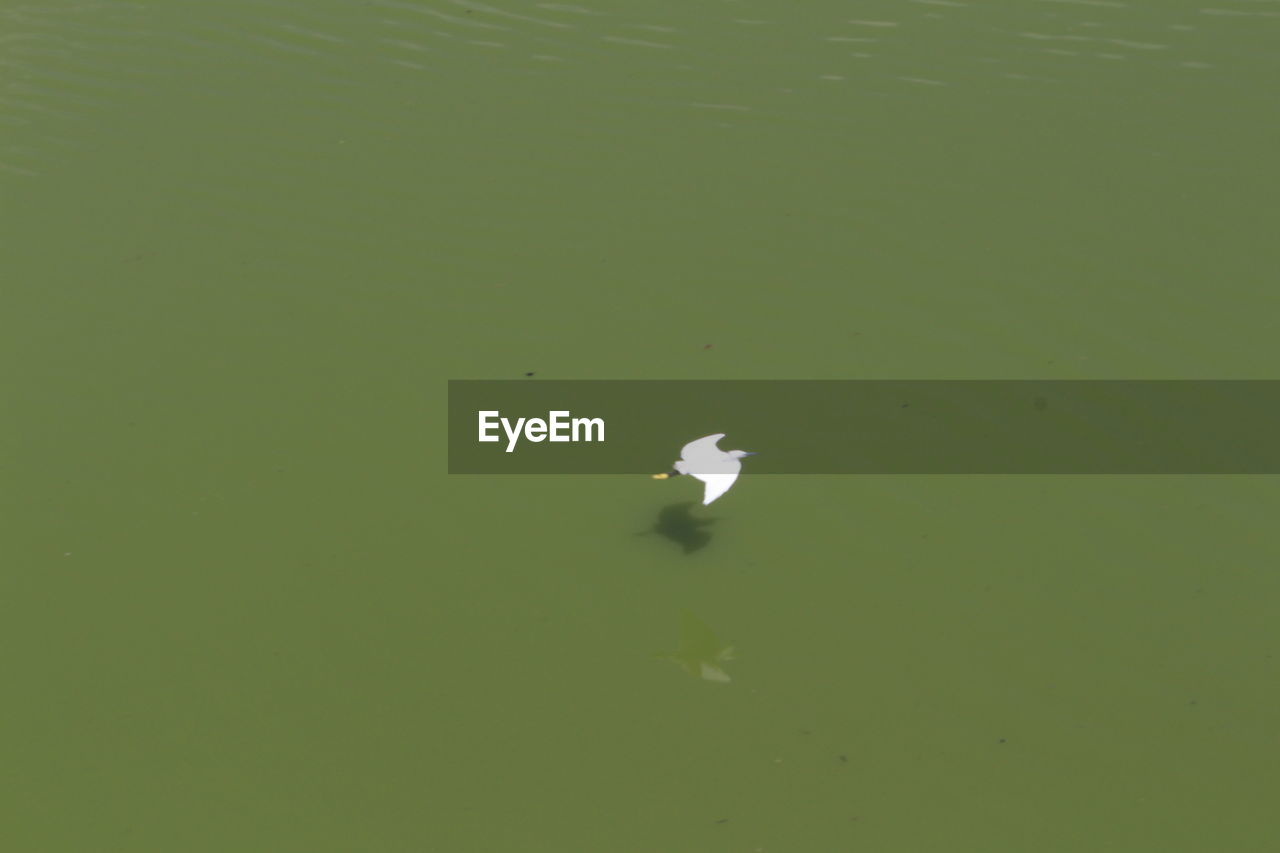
[738,454]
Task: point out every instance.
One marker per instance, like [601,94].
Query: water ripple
[65,62]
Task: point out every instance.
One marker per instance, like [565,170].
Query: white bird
[702,460]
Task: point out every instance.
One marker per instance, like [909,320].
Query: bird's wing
[717,485]
[701,446]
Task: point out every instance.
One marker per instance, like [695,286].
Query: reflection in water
[700,653]
[677,523]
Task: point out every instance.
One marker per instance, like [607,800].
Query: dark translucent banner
[868,427]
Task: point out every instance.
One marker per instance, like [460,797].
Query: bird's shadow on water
[677,523]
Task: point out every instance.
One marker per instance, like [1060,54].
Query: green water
[246,243]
